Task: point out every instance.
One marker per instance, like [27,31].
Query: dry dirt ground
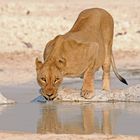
[22,136]
[27,25]
[35,22]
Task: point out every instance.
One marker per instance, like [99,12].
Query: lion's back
[92,18]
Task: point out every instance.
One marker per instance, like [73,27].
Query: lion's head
[49,77]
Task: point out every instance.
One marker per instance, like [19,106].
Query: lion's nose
[49,94]
[50,97]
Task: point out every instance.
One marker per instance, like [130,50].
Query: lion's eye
[43,79]
[57,80]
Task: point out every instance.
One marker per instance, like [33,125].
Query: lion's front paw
[87,94]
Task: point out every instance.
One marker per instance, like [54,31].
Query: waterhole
[67,117]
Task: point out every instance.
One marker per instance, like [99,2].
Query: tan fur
[79,52]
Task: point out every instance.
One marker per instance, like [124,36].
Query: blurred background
[27,25]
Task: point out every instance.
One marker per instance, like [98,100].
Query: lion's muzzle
[48,95]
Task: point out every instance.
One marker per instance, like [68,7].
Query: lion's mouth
[47,97]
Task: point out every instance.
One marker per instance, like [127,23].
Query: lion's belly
[75,69]
[78,64]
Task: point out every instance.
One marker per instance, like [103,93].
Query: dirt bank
[23,136]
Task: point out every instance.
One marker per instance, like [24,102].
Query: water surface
[66,117]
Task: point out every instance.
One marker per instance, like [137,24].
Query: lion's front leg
[88,84]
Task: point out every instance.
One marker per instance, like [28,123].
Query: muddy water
[65,117]
[107,118]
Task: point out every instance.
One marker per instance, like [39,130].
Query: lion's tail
[116,72]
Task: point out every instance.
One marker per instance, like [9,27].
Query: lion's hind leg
[106,68]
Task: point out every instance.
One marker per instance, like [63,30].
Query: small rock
[28,12]
[138,31]
[40,99]
[64,18]
[1,70]
[121,33]
[27,44]
[4,100]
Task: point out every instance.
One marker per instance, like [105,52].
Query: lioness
[79,53]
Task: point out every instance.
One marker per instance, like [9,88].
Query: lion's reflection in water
[74,118]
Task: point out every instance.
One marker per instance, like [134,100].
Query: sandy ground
[22,136]
[26,26]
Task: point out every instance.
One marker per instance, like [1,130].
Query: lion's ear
[38,64]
